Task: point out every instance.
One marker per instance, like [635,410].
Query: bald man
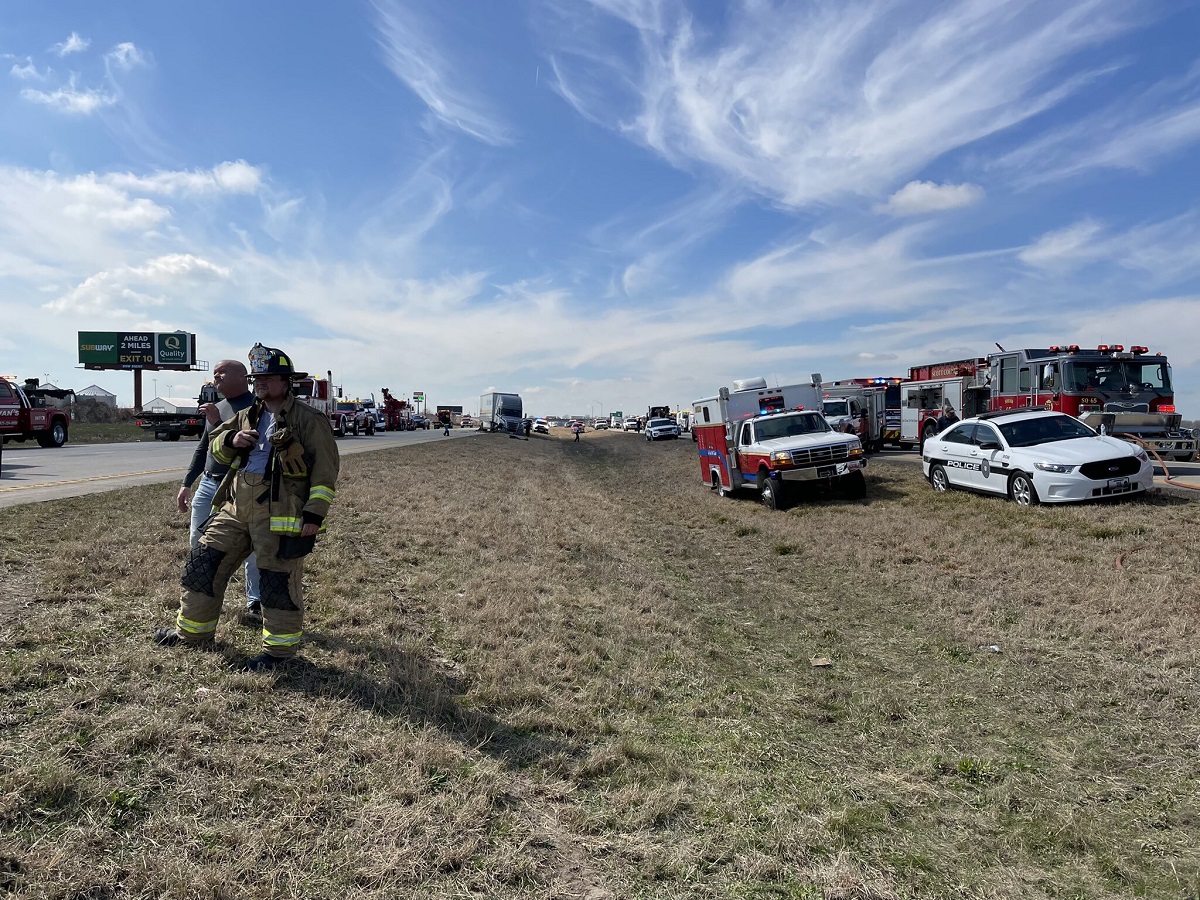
[229,378]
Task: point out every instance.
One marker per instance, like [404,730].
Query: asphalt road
[31,474]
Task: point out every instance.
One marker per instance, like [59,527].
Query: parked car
[631,425]
[1034,457]
[418,422]
[600,424]
[541,426]
[661,428]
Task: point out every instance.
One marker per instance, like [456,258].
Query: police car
[1034,456]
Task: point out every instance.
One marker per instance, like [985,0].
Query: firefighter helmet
[271,361]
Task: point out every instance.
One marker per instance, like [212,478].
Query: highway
[31,474]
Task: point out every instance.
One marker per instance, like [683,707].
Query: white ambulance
[771,440]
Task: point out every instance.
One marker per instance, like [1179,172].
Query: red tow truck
[26,412]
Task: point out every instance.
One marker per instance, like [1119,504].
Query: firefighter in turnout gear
[283,468]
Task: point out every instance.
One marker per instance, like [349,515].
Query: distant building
[95,392]
[173,405]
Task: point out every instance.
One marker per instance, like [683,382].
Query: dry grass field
[542,669]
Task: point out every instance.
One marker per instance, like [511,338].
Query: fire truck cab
[772,439]
[1126,393]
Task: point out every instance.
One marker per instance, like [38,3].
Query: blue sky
[601,205]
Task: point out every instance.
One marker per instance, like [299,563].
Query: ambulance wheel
[772,494]
[1022,491]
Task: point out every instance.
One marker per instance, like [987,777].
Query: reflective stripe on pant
[206,489]
[242,526]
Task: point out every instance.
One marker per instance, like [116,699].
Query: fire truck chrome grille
[1110,468]
[820,455]
[1118,407]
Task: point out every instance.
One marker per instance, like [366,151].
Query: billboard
[137,350]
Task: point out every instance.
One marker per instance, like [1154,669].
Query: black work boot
[167,637]
[264,662]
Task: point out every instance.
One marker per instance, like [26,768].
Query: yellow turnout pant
[242,527]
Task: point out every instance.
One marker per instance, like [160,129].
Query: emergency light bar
[1137,349]
[1168,408]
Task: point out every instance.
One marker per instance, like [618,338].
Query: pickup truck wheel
[771,495]
[55,437]
[354,429]
[855,486]
[174,435]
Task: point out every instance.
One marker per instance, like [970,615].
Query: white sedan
[1034,456]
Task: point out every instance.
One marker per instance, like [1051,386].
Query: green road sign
[136,350]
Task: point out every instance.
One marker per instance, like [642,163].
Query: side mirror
[989,445]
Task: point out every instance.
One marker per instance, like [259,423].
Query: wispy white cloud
[919,197]
[238,177]
[126,289]
[126,56]
[1132,132]
[73,44]
[1064,247]
[28,71]
[411,52]
[808,104]
[70,99]
[1162,253]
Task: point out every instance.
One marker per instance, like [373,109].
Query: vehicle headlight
[1059,468]
[1141,455]
[855,450]
[781,456]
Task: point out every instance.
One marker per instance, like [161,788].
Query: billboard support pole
[137,388]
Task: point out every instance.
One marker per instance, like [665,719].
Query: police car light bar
[1138,349]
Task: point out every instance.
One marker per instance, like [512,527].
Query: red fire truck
[771,440]
[1123,392]
[962,384]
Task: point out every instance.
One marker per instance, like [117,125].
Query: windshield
[659,423]
[513,412]
[1112,375]
[837,408]
[791,426]
[1044,430]
[347,407]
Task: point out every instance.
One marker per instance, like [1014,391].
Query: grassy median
[554,669]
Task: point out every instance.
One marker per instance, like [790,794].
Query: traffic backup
[772,440]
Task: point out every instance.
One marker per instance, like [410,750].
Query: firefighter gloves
[289,453]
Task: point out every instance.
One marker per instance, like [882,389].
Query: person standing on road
[578,429]
[273,501]
[446,427]
[229,378]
